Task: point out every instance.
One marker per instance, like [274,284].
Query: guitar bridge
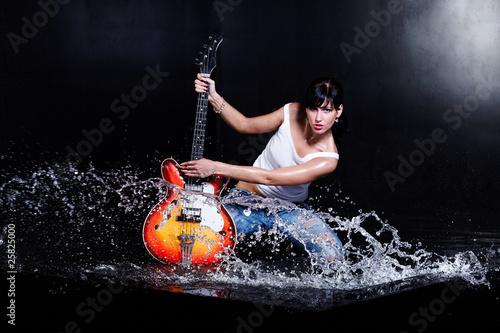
[187,242]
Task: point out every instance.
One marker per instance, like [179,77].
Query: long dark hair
[330,90]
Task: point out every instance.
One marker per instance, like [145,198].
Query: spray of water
[80,223]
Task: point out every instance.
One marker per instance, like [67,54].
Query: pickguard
[207,207]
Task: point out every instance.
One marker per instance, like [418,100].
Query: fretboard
[199,127]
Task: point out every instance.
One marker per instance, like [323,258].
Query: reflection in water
[87,225]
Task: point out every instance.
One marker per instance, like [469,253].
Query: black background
[431,56]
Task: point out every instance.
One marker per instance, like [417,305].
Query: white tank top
[280,152]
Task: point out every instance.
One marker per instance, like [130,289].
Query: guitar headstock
[208,60]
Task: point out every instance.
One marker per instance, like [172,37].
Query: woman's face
[322,118]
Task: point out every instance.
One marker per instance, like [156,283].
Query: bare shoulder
[333,146]
[296,111]
[295,108]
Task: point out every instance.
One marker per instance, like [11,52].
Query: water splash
[81,223]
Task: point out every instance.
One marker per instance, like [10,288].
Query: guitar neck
[207,64]
[199,127]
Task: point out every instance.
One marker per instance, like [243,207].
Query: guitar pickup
[188,218]
[190,215]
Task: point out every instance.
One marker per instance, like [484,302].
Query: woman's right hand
[205,84]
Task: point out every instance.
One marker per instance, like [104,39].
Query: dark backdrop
[412,70]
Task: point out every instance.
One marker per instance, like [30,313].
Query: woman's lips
[318,126]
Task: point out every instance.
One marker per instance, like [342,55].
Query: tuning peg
[204,46]
[210,37]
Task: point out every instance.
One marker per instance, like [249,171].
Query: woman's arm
[261,124]
[294,175]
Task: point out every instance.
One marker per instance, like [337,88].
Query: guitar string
[201,118]
[198,135]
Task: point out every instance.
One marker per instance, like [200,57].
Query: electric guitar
[190,225]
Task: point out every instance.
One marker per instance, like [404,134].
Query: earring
[337,120]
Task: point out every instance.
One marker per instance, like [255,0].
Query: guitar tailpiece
[187,242]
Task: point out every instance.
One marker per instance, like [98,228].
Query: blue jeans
[298,223]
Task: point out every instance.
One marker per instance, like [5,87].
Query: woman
[302,150]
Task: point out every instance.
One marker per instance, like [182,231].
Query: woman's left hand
[200,168]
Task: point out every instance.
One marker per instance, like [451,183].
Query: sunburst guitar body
[190,225]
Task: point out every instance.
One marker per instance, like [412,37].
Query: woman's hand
[200,168]
[205,84]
